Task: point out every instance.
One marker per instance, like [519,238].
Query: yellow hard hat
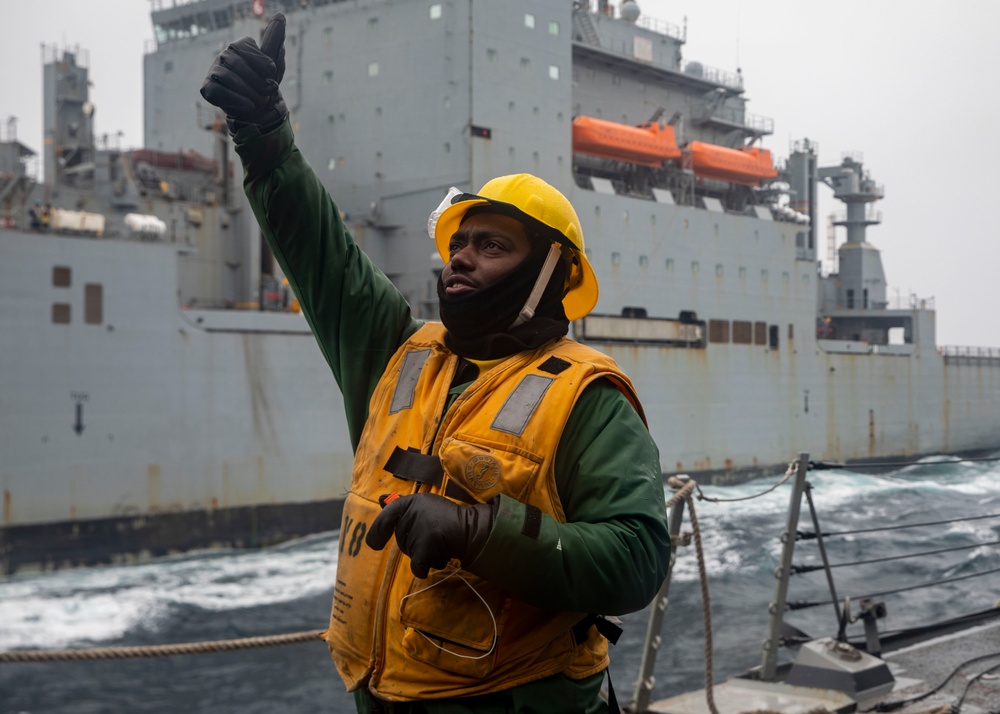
[538,206]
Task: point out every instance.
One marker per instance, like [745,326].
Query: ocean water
[229,594]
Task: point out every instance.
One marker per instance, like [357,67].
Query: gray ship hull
[126,406]
[153,429]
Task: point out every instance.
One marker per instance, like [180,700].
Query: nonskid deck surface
[918,668]
[923,666]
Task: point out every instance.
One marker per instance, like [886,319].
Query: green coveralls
[615,545]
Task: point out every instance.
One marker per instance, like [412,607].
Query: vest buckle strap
[412,465]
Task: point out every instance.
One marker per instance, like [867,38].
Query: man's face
[484,249]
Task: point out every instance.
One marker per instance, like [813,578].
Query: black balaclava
[479,324]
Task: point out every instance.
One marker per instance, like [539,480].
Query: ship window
[93,304]
[525,63]
[742,332]
[718,331]
[529,20]
[328,76]
[864,296]
[760,333]
[60,313]
[491,55]
[372,24]
[553,28]
[223,18]
[616,258]
[436,11]
[61,276]
[643,261]
[850,299]
[773,337]
[373,69]
[553,72]
[791,331]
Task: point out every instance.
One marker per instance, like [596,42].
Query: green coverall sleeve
[358,316]
[611,555]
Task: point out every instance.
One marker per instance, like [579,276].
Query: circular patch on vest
[482,472]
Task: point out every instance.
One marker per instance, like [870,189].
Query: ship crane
[861,278]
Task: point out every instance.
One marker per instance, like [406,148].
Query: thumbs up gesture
[243,80]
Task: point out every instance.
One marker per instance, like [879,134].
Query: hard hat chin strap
[551,260]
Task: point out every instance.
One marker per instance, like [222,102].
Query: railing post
[769,661]
[644,684]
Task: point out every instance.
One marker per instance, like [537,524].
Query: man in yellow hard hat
[506,494]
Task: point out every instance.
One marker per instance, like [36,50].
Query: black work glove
[243,80]
[432,530]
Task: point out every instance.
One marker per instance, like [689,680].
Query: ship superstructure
[712,295]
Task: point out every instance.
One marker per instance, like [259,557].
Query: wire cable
[833,465]
[811,568]
[897,703]
[803,604]
[809,535]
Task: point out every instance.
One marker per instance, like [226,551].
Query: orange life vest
[454,634]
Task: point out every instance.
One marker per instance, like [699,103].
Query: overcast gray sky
[910,85]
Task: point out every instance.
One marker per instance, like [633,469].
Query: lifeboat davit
[743,166]
[648,144]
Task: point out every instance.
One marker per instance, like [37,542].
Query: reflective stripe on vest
[406,385]
[521,404]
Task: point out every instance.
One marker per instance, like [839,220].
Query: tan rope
[158,650]
[683,492]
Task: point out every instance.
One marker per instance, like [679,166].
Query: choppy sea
[229,594]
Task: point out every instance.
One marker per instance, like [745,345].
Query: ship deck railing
[868,608]
[969,353]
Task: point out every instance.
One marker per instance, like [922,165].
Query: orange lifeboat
[648,144]
[743,166]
